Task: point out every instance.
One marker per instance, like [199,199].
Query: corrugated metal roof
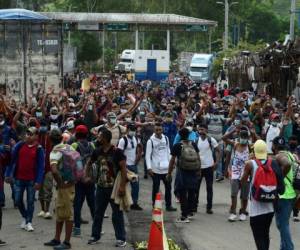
[133,18]
[21,14]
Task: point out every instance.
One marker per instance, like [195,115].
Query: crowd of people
[89,144]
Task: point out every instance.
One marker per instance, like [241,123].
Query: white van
[201,67]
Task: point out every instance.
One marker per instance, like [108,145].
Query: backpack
[189,159]
[264,183]
[85,152]
[71,169]
[296,170]
[126,142]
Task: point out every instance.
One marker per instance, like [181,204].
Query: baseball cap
[111,115]
[274,116]
[82,129]
[260,150]
[279,141]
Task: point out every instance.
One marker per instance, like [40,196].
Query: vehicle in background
[126,63]
[184,61]
[201,67]
[151,65]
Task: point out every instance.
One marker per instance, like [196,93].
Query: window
[199,69]
[126,60]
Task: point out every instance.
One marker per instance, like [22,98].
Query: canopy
[21,14]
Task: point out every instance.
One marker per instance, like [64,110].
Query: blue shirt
[193,136]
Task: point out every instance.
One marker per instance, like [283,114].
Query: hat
[82,129]
[260,150]
[131,126]
[279,141]
[32,130]
[274,116]
[111,115]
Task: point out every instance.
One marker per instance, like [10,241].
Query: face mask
[123,111]
[189,128]
[38,114]
[103,99]
[274,124]
[243,141]
[43,129]
[128,119]
[53,126]
[90,107]
[2,123]
[237,122]
[53,117]
[113,120]
[131,133]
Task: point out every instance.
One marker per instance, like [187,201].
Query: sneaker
[220,179]
[41,214]
[29,227]
[23,224]
[120,243]
[2,243]
[136,207]
[52,243]
[76,232]
[93,241]
[171,209]
[243,217]
[191,216]
[232,218]
[209,211]
[296,219]
[183,220]
[62,246]
[48,215]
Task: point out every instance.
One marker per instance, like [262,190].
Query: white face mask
[53,126]
[39,114]
[123,111]
[113,120]
[90,107]
[131,133]
[190,128]
[53,117]
[2,123]
[128,119]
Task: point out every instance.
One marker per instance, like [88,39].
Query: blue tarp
[21,14]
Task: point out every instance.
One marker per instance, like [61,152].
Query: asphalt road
[205,232]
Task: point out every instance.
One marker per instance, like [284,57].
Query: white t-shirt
[206,155]
[271,134]
[130,151]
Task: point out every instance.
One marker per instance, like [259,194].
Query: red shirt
[27,163]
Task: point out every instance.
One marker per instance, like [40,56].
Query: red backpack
[264,186]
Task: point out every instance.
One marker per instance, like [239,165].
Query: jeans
[82,191]
[260,226]
[283,212]
[221,164]
[208,174]
[19,188]
[101,203]
[156,178]
[135,187]
[187,201]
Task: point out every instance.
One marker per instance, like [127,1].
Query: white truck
[126,63]
[151,65]
[201,67]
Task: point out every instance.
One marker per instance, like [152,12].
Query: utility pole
[226,25]
[227,6]
[292,20]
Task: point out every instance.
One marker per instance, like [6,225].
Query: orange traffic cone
[157,237]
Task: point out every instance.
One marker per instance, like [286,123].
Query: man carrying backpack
[157,159]
[132,149]
[188,170]
[263,172]
[67,169]
[27,169]
[108,161]
[209,155]
[286,201]
[83,190]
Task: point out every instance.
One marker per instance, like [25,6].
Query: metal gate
[30,57]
